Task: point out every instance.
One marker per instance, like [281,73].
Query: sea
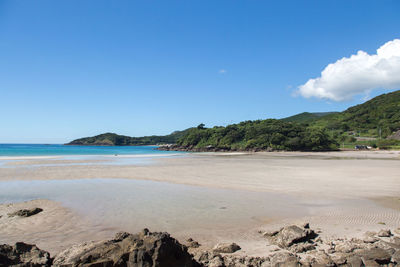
[11,150]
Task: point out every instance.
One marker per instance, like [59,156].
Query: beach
[211,197]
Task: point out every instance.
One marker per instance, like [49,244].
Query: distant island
[375,123]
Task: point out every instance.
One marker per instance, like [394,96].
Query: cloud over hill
[358,74]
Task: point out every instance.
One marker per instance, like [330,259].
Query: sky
[70,69]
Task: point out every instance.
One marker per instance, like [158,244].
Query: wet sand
[54,229]
[343,193]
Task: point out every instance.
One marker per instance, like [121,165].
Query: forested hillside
[378,115]
[268,134]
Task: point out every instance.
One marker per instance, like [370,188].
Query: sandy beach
[343,193]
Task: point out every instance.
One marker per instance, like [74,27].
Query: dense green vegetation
[112,139]
[307,117]
[259,135]
[378,117]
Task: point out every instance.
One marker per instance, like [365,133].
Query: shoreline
[388,153]
[35,157]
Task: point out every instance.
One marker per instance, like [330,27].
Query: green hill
[379,116]
[112,139]
[306,117]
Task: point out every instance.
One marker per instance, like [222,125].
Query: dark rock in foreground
[25,212]
[291,235]
[142,249]
[23,255]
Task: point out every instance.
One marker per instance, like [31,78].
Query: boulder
[204,256]
[25,212]
[354,261]
[24,255]
[270,233]
[217,261]
[370,239]
[339,258]
[284,259]
[396,257]
[384,233]
[290,235]
[142,249]
[322,259]
[226,248]
[378,255]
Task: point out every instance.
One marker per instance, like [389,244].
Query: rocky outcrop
[294,246]
[25,212]
[174,147]
[23,255]
[142,249]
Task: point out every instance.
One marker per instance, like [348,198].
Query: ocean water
[54,150]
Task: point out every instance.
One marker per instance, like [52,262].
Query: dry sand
[343,193]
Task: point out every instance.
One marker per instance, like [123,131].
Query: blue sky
[70,69]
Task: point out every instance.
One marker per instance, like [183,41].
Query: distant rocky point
[112,139]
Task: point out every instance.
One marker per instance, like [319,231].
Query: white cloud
[222,71]
[358,74]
